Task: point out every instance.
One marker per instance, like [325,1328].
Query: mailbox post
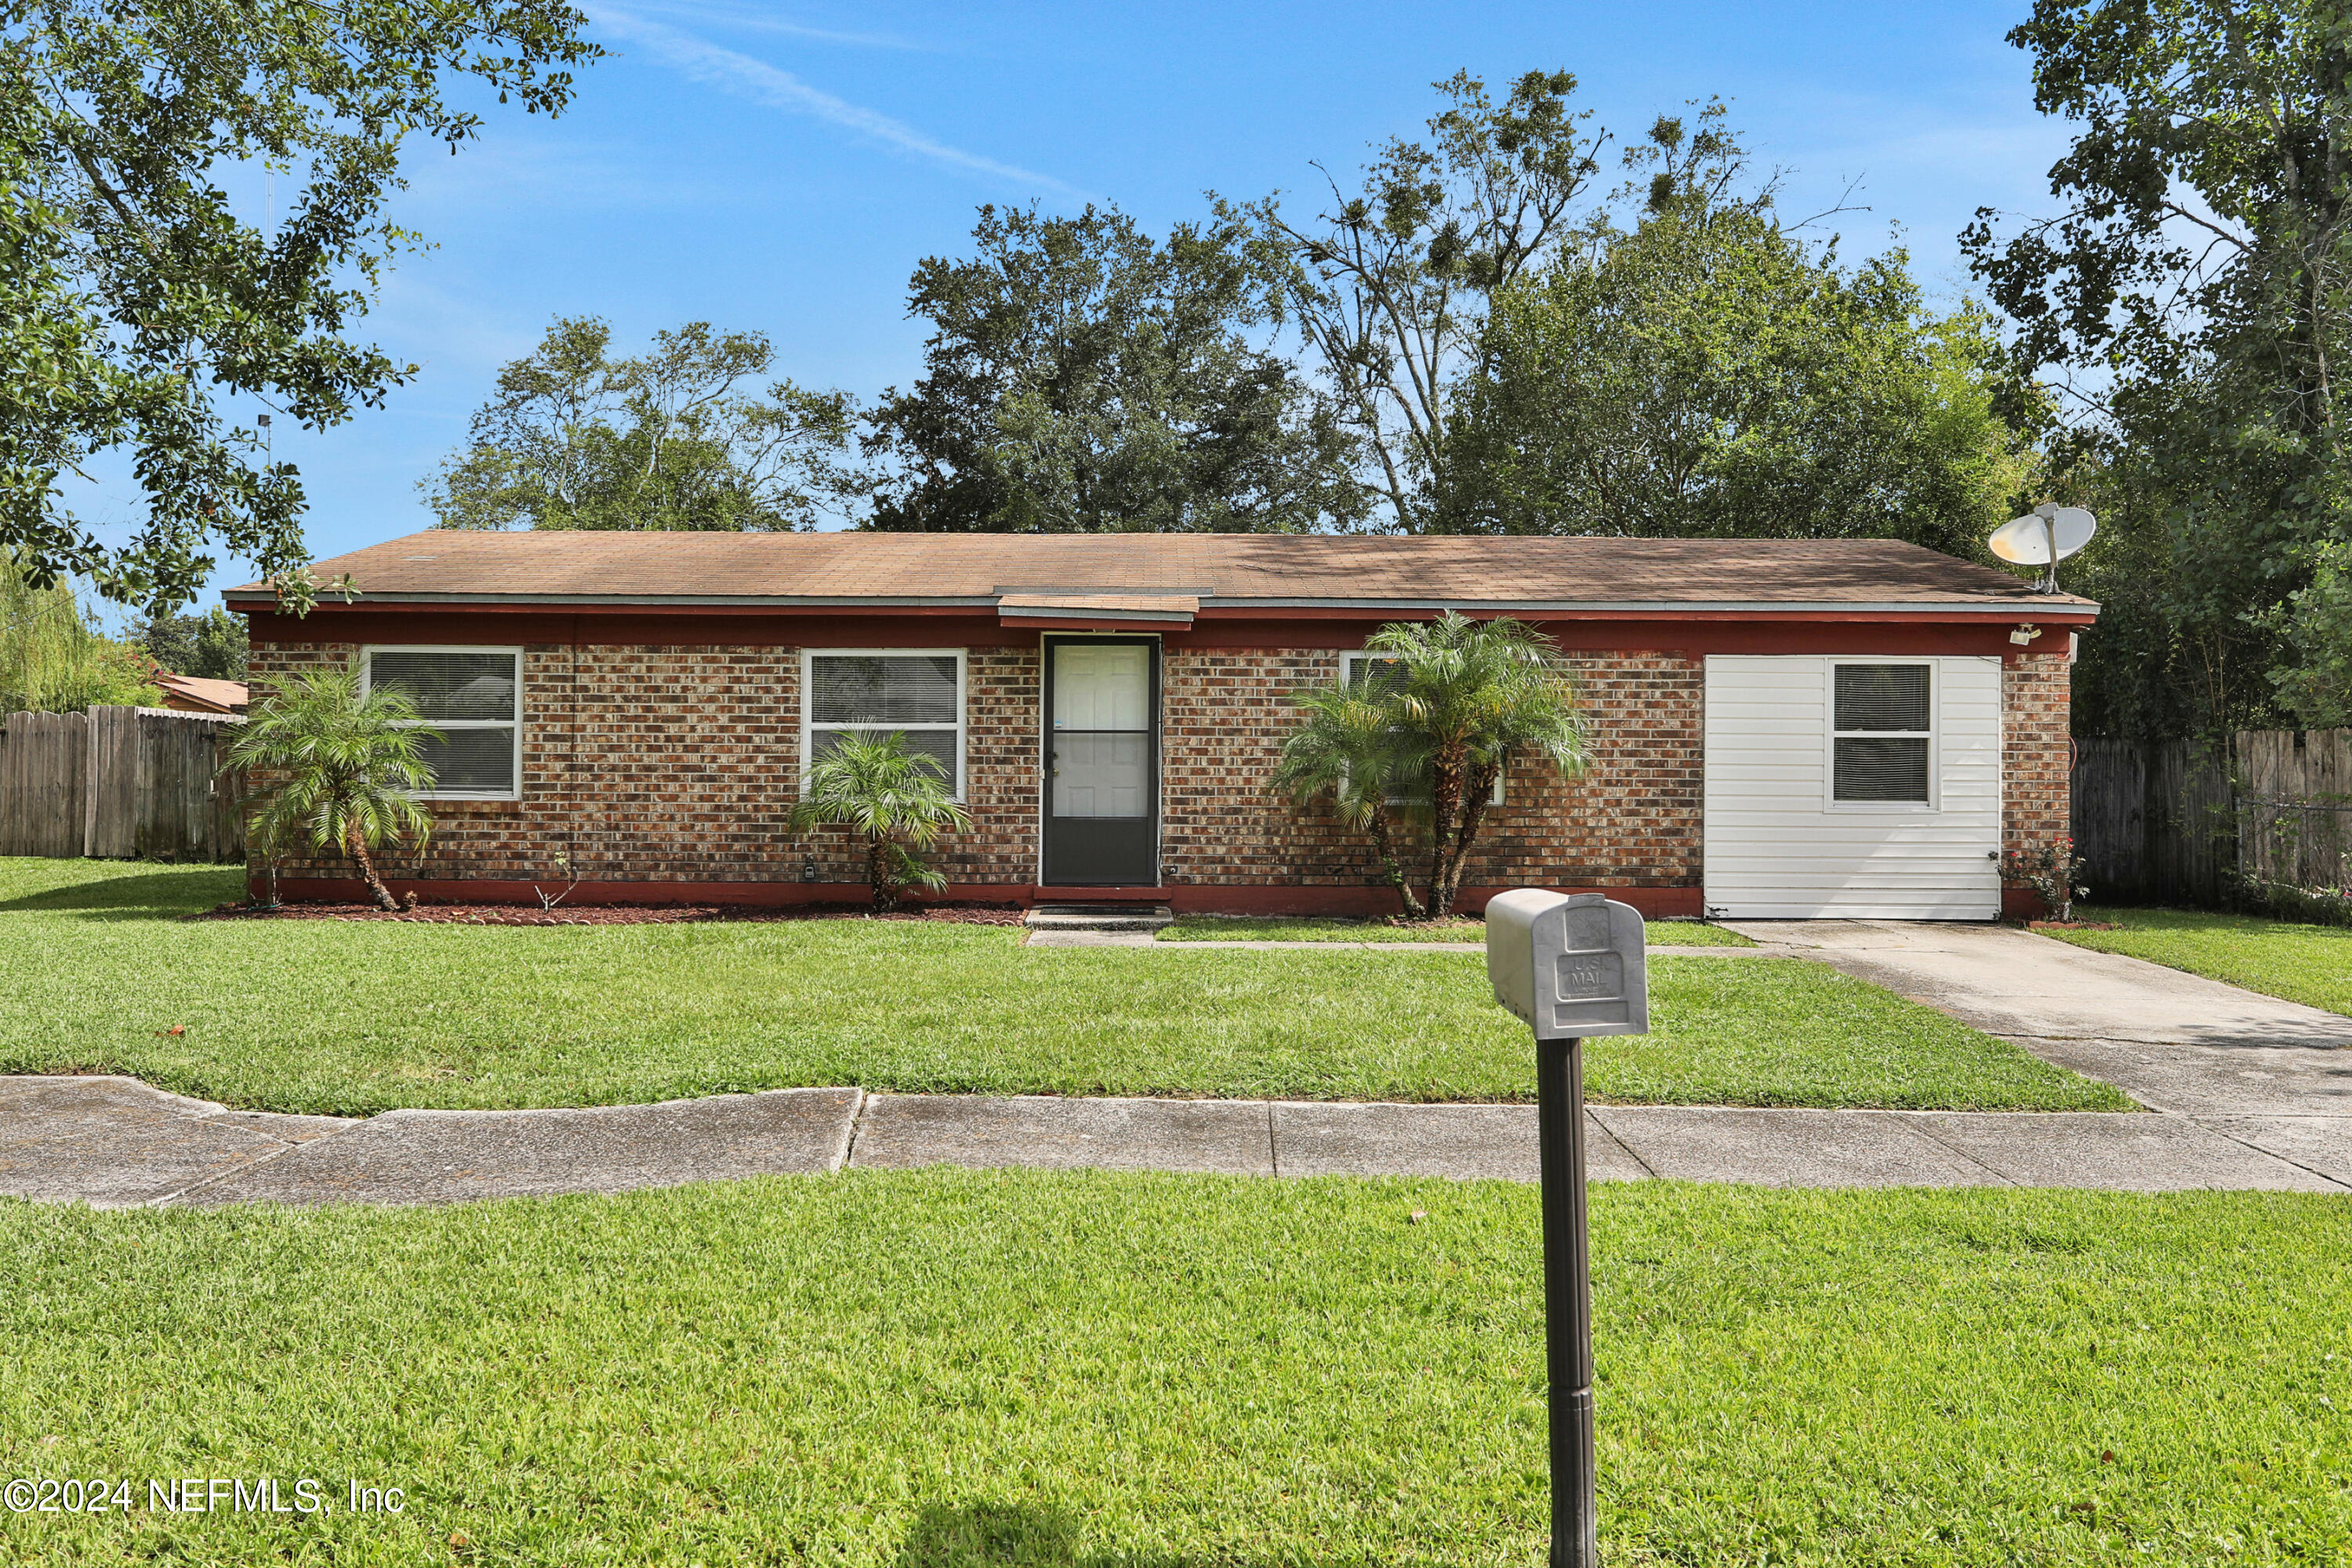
[1570,965]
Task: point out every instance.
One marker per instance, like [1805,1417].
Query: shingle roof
[1219,569]
[202,694]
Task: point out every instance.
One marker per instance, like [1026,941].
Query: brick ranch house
[1778,728]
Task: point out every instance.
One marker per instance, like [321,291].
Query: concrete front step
[1099,917]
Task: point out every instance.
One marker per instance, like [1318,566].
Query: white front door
[1858,787]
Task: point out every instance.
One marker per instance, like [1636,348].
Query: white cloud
[735,20]
[738,73]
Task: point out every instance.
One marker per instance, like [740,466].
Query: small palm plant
[1468,695]
[1447,705]
[345,768]
[1348,747]
[898,798]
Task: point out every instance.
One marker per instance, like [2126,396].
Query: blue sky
[782,166]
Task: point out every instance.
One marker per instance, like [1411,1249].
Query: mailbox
[1570,965]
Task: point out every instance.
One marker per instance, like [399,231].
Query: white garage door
[1860,788]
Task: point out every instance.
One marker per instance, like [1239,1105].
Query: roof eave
[2062,604]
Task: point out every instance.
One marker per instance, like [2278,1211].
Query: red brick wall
[676,765]
[2037,748]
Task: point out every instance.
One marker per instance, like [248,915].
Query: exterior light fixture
[2025,634]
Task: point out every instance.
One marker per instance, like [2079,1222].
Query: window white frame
[1347,663]
[809,726]
[1932,734]
[367,682]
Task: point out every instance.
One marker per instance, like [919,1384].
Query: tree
[1435,720]
[1389,285]
[896,797]
[52,661]
[211,646]
[1082,378]
[672,440]
[141,317]
[2189,301]
[1709,374]
[1350,748]
[335,769]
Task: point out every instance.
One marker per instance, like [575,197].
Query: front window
[473,696]
[1885,724]
[918,694]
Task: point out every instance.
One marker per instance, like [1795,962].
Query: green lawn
[2308,963]
[1251,927]
[355,1017]
[948,1369]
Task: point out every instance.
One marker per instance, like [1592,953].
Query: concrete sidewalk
[115,1143]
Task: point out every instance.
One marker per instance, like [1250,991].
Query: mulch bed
[614,914]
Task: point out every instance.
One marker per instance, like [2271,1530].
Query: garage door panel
[1777,848]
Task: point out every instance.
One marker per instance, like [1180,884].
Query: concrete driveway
[2174,1042]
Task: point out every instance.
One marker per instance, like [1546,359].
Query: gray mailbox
[1570,965]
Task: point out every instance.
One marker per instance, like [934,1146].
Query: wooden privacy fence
[2180,821]
[2294,807]
[2157,823]
[120,783]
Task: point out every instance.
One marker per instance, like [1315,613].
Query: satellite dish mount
[2043,537]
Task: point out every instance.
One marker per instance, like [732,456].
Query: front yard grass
[351,1018]
[947,1369]
[1254,928]
[2306,964]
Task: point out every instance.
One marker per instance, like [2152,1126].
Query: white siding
[1778,848]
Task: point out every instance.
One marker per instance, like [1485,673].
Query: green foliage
[368,1016]
[574,437]
[1469,696]
[2052,872]
[334,769]
[2191,297]
[52,661]
[2315,682]
[1391,284]
[1426,730]
[1082,378]
[1709,374]
[140,316]
[1348,746]
[212,645]
[900,799]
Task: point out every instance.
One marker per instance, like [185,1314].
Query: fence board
[121,783]
[2157,824]
[42,762]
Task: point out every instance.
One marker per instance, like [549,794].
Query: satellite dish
[2045,537]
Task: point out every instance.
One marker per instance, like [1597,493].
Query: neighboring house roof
[199,694]
[1156,578]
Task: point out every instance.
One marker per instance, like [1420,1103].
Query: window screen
[917,695]
[474,699]
[1884,727]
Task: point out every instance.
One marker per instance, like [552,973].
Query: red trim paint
[1694,637]
[1184,899]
